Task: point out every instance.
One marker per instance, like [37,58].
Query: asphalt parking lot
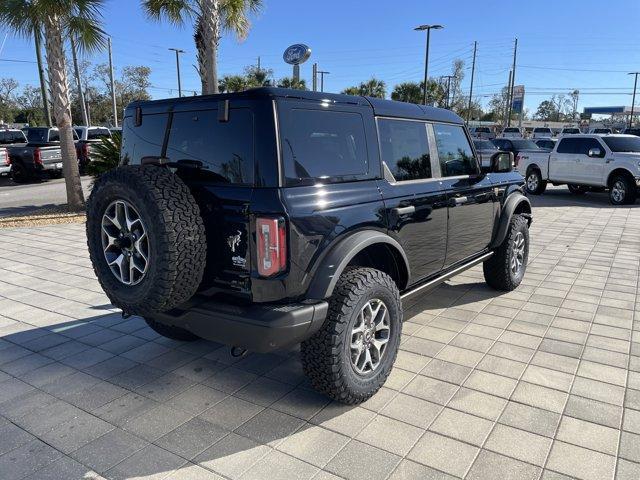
[17,199]
[543,382]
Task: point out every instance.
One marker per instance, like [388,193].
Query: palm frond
[20,16]
[175,11]
[234,18]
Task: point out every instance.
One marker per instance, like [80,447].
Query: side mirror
[595,152]
[502,162]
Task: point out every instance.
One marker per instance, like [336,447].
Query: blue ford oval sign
[297,54]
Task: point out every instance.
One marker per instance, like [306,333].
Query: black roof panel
[388,108]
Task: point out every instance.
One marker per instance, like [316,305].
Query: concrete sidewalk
[543,382]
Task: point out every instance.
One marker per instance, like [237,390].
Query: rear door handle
[460,200]
[405,210]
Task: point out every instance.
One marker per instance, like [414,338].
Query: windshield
[623,144]
[484,145]
[570,130]
[95,133]
[524,145]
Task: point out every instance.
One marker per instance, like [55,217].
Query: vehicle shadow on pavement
[561,197]
[108,395]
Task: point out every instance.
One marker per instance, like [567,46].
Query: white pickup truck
[586,162]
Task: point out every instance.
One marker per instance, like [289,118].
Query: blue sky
[563,45]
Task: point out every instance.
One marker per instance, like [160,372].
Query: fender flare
[513,201]
[334,263]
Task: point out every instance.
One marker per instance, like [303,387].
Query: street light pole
[633,102]
[426,56]
[322,74]
[178,52]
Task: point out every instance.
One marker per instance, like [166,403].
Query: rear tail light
[517,160]
[271,236]
[7,160]
[37,156]
[85,150]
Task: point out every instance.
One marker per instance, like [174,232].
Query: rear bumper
[5,169]
[256,327]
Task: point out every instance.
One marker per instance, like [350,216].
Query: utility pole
[83,105]
[473,71]
[513,81]
[44,91]
[322,74]
[633,101]
[113,87]
[426,56]
[314,76]
[506,107]
[178,52]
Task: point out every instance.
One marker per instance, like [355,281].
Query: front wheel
[351,356]
[622,191]
[505,269]
[534,183]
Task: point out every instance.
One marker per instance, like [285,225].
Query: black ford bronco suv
[274,217]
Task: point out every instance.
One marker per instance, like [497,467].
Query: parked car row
[543,132]
[33,151]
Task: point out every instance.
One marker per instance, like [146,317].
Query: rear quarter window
[321,145]
[144,140]
[224,150]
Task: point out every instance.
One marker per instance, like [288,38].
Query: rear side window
[322,145]
[578,146]
[145,140]
[224,149]
[454,151]
[405,149]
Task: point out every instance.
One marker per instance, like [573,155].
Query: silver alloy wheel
[532,182]
[517,254]
[618,191]
[369,336]
[125,242]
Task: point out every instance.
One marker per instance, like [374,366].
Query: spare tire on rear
[146,238]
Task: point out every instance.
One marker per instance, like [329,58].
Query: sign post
[517,105]
[295,55]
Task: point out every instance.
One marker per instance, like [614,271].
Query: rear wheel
[577,189]
[171,331]
[622,191]
[351,356]
[534,183]
[505,269]
[19,173]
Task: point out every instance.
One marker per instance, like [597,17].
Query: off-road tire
[326,357]
[577,189]
[630,192]
[497,271]
[171,331]
[177,241]
[541,185]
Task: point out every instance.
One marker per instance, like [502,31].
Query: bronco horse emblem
[234,240]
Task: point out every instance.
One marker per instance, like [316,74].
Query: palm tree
[370,88]
[410,92]
[59,19]
[211,18]
[290,82]
[233,83]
